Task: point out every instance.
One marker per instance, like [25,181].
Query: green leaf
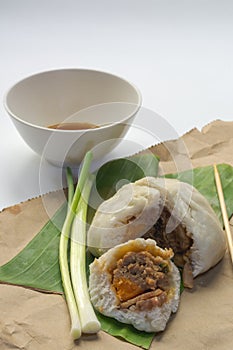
[114,174]
[37,265]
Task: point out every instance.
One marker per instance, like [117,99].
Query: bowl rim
[122,121]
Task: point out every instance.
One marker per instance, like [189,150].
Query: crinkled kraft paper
[31,320]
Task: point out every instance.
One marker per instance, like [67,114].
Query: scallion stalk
[89,321]
[63,247]
[70,184]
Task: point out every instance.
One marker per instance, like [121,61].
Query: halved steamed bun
[136,283]
[171,212]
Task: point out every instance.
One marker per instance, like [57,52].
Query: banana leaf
[37,265]
[115,173]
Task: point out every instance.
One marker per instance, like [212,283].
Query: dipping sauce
[73,126]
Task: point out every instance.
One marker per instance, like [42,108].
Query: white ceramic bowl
[72,95]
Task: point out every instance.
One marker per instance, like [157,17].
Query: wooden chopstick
[224,211]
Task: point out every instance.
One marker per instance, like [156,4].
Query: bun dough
[136,207]
[105,300]
[127,215]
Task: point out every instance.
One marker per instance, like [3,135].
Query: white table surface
[178,53]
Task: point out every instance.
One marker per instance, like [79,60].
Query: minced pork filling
[141,281]
[178,240]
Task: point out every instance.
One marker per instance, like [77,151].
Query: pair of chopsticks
[224,211]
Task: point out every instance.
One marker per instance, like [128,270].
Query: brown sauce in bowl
[73,126]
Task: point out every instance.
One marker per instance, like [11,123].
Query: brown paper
[31,320]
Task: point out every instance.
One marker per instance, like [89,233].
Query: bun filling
[178,239]
[140,280]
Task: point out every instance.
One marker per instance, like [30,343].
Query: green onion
[63,255]
[89,321]
[70,184]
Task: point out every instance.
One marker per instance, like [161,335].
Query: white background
[178,53]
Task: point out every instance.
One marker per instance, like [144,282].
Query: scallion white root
[70,299]
[89,321]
